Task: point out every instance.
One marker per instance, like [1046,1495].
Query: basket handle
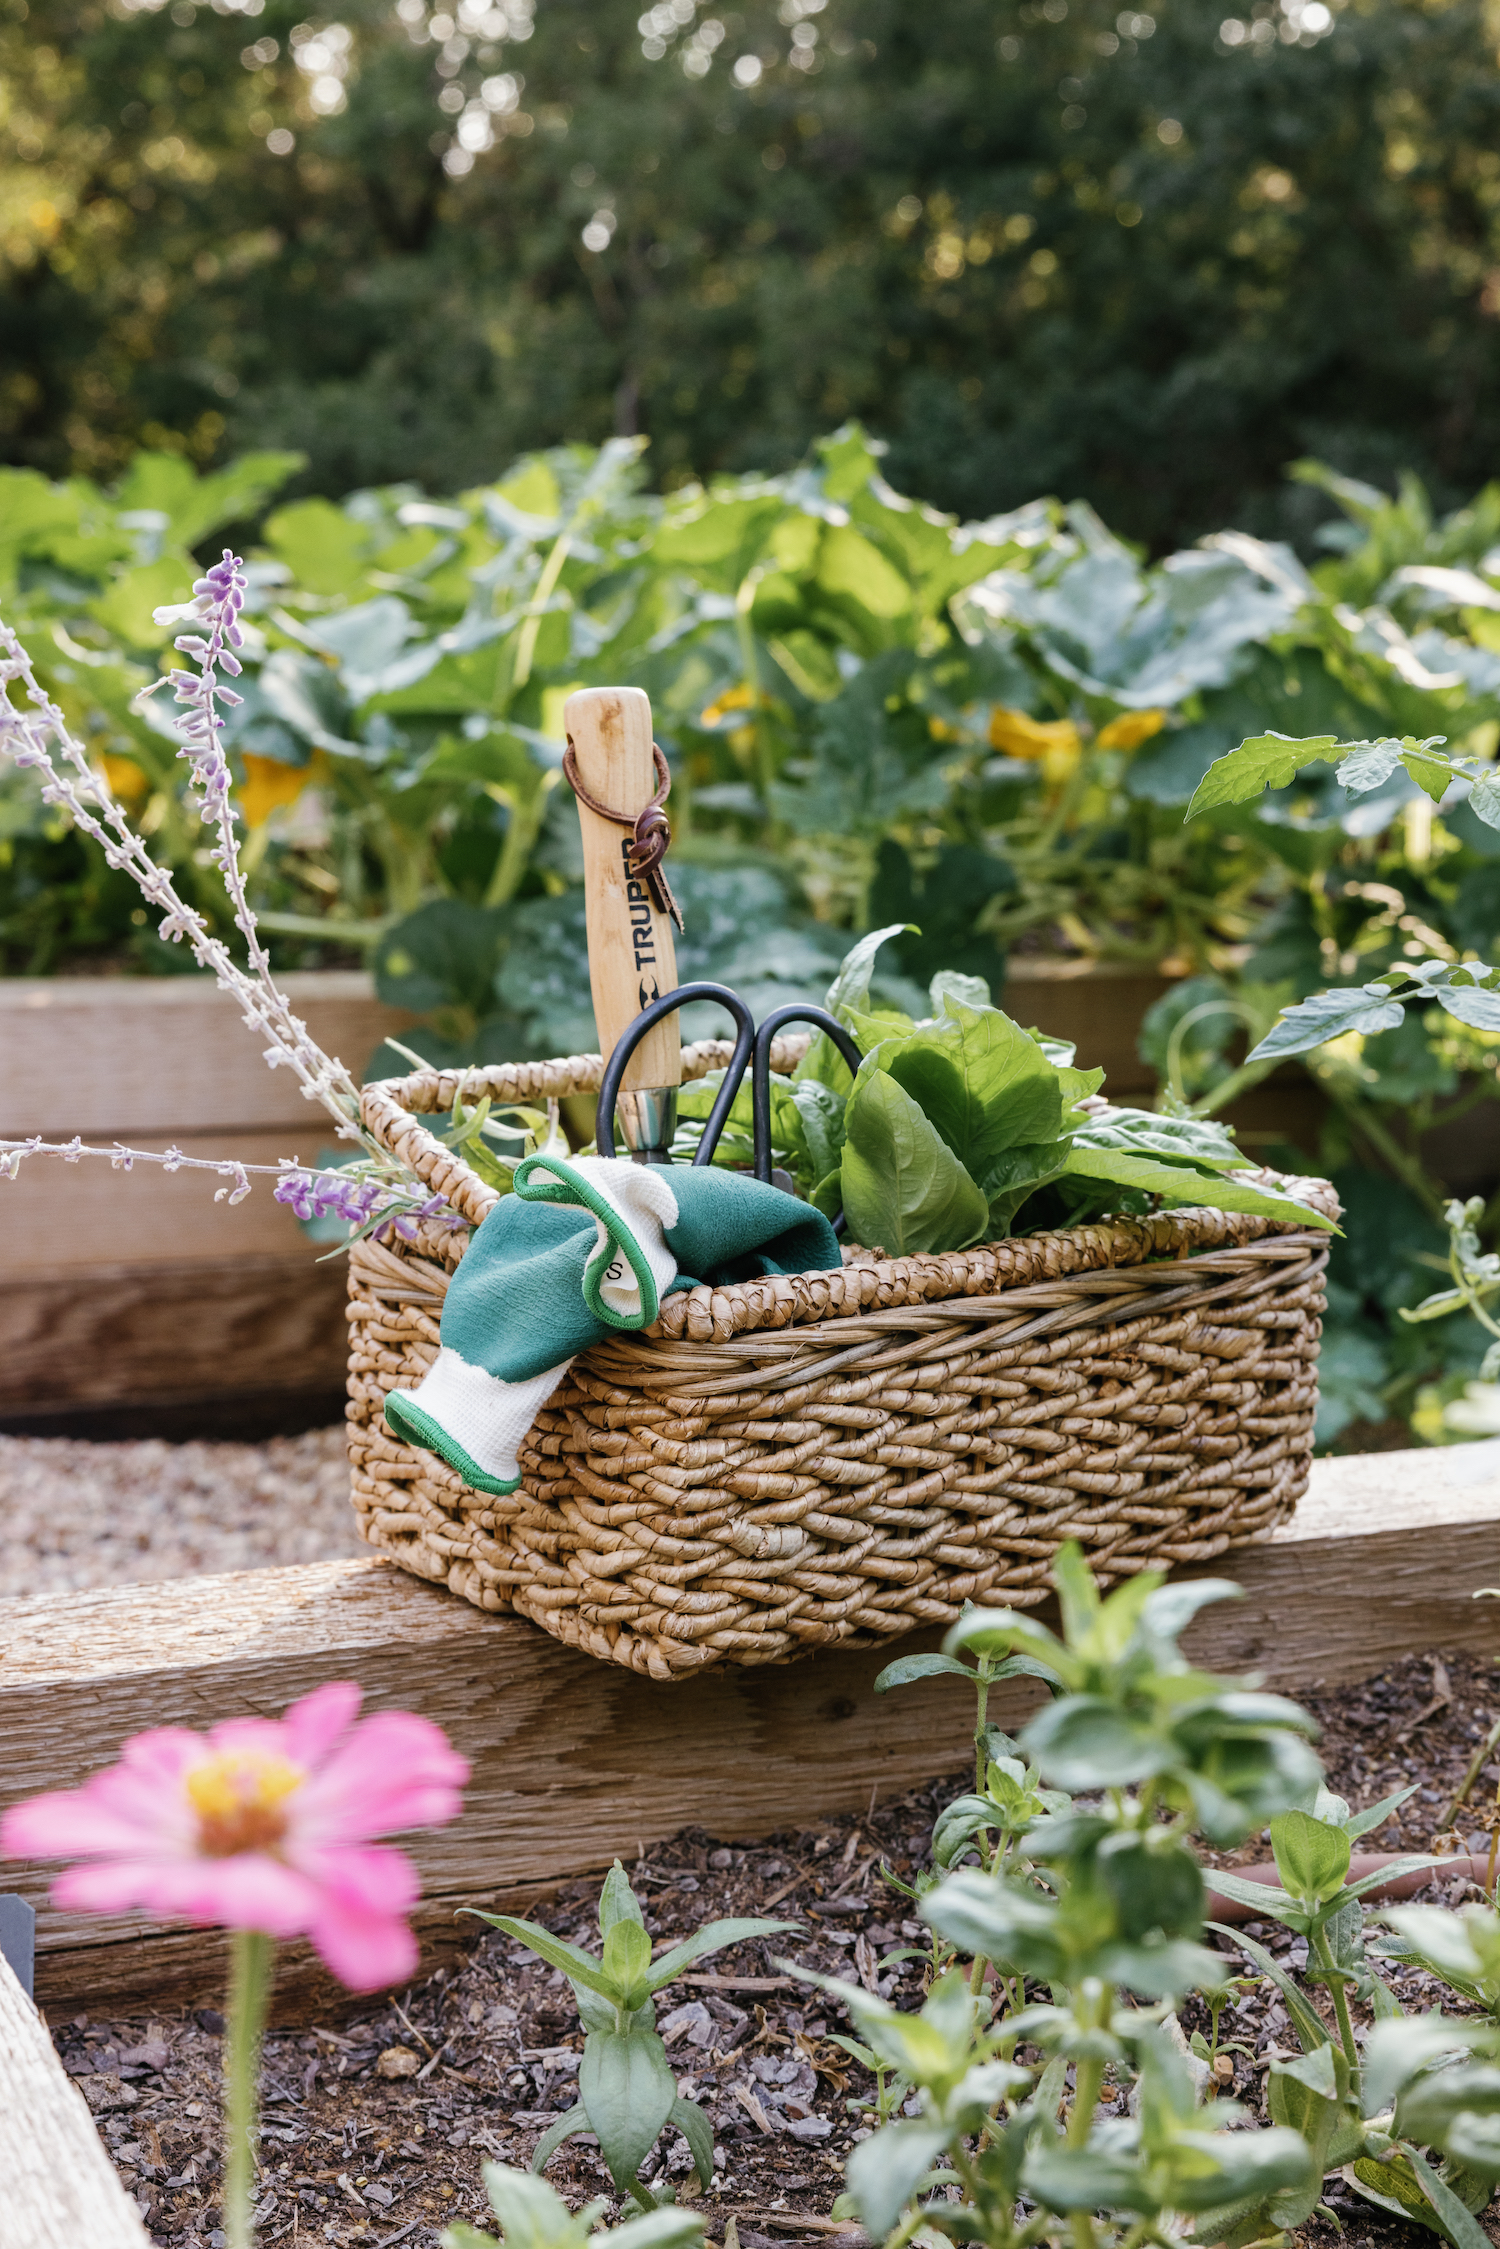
[647,1020]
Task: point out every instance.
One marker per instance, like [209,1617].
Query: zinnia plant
[267,1827]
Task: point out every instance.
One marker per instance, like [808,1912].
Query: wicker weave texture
[845,1457]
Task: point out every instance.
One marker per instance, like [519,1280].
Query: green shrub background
[975,238]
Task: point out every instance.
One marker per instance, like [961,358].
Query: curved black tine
[760,1075]
[625,1046]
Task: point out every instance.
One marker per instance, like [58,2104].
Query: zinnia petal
[372,1878]
[249,1892]
[316,1724]
[366,1951]
[394,1771]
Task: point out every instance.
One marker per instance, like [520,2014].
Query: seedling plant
[627,2088]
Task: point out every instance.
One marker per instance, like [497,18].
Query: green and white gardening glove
[583,1247]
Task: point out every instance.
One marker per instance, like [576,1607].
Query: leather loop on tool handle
[651,830]
[618,777]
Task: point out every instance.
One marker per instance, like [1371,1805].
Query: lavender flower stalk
[38,737]
[362,1202]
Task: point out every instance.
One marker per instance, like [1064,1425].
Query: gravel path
[74,1515]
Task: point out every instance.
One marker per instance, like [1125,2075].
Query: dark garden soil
[375,2128]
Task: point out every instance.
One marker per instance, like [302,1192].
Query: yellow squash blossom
[733,699]
[1130,729]
[269,784]
[1055,744]
[126,779]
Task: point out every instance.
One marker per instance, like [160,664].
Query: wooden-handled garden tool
[621,781]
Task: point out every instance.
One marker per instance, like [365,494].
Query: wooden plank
[59,2186]
[1098,1005]
[575,1761]
[150,1058]
[172,1330]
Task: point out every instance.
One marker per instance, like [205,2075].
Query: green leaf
[1311,1857]
[326,550]
[1014,1177]
[1267,1903]
[1085,2178]
[698,2132]
[627,2086]
[973,991]
[714,1936]
[664,2228]
[904,1190]
[532,2214]
[1084,1741]
[887,2171]
[1244,2164]
[851,986]
[905,1669]
[1265,761]
[572,2120]
[1453,2220]
[1193,1188]
[980,1080]
[1357,1824]
[579,1966]
[627,1957]
[1390,1872]
[1329,1015]
[617,1900]
[1396,2053]
[1479,1009]
[1432,774]
[851,569]
[127,607]
[1309,2023]
[1484,799]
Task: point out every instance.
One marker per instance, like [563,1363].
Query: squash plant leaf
[1328,1015]
[1265,761]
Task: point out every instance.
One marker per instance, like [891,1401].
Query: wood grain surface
[135,1056]
[632,958]
[171,1330]
[58,2188]
[574,1761]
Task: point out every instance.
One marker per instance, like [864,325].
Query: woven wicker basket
[843,1457]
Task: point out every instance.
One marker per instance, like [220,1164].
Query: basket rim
[867,1281]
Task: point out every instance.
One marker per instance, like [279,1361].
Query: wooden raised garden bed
[576,1760]
[139,1291]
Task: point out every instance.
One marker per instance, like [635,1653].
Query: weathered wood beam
[57,2185]
[575,1761]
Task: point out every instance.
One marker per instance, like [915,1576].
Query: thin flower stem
[252,1958]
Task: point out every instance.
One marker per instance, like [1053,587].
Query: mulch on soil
[374,2129]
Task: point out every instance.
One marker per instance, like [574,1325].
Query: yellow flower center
[240,1798]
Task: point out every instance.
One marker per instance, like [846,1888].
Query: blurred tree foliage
[1141,259]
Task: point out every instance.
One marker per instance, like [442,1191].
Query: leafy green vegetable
[904,1190]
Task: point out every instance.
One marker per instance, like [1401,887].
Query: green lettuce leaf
[904,1190]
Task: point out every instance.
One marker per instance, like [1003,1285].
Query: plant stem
[1340,2002]
[1091,2011]
[251,1959]
[532,625]
[1476,1763]
[981,1736]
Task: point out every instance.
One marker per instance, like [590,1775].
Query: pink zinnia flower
[261,1824]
